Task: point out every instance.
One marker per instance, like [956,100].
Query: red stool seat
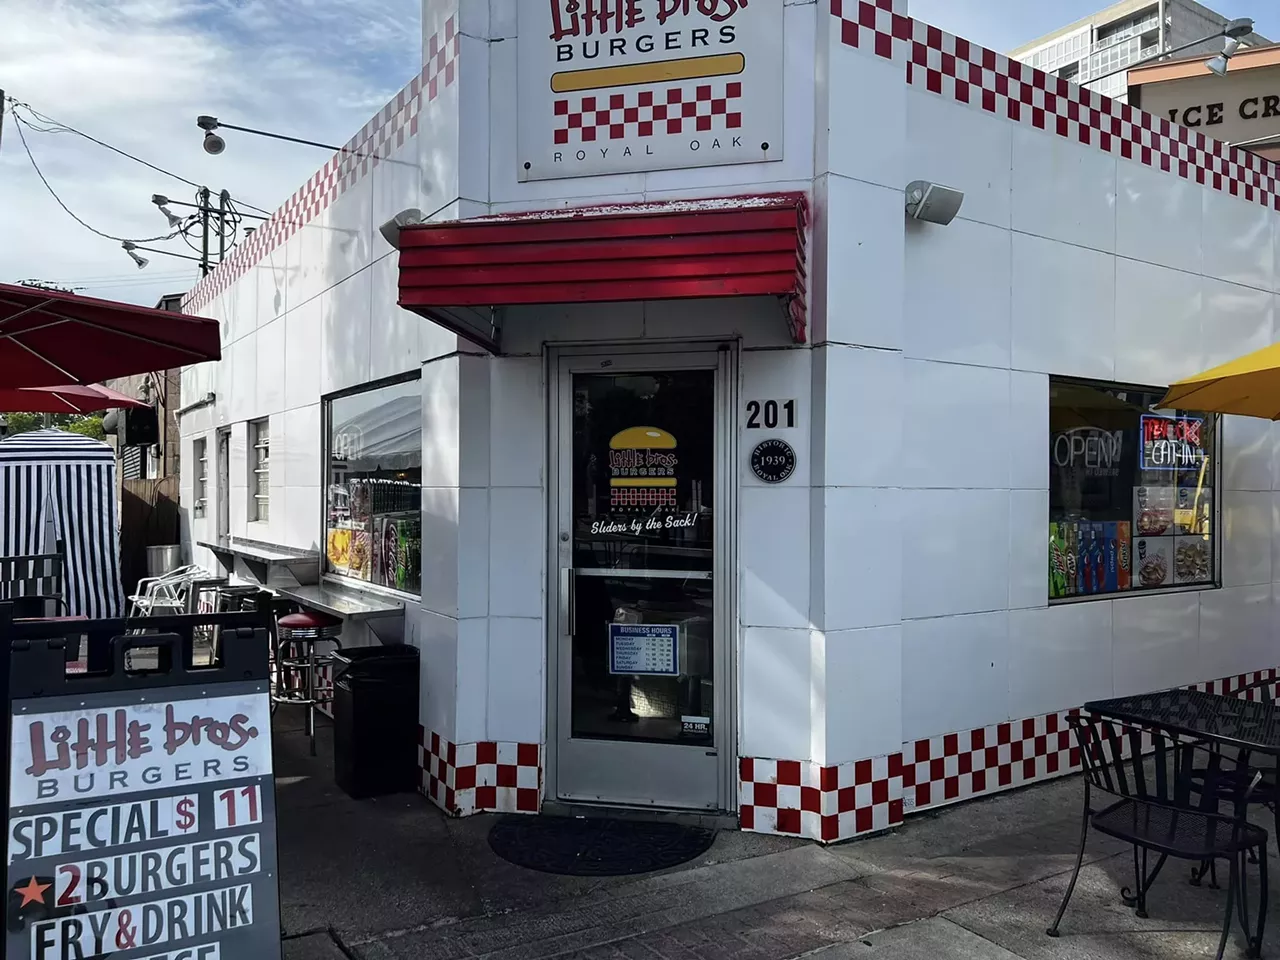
[308,625]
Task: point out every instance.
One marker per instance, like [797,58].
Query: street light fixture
[1219,64]
[131,249]
[161,202]
[1234,31]
[214,144]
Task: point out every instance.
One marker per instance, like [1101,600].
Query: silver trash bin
[162,560]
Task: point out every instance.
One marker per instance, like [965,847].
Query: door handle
[568,609]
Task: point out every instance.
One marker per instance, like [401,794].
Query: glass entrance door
[641,675]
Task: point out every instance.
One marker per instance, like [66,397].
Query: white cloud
[136,73]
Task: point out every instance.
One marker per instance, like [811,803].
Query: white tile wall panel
[861,561]
[1160,320]
[1237,320]
[866,276]
[864,693]
[517,649]
[861,427]
[955,552]
[1159,218]
[1238,240]
[963,149]
[269,346]
[940,403]
[777,692]
[345,336]
[1028,548]
[1063,308]
[1247,534]
[958,299]
[1060,657]
[1156,641]
[773,556]
[955,673]
[1063,191]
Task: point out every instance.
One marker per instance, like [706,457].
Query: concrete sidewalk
[393,879]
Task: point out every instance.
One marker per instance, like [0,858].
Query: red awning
[461,272]
[48,338]
[78,398]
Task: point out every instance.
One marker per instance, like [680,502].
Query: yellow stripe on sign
[688,68]
[644,482]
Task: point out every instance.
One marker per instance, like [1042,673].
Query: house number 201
[765,413]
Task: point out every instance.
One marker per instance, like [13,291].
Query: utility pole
[204,230]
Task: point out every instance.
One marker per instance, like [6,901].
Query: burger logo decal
[642,470]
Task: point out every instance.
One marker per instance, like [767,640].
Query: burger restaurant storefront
[711,467]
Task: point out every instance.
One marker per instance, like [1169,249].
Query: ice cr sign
[621,86]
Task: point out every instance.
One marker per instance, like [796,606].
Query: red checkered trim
[385,132]
[962,765]
[466,778]
[649,113]
[822,803]
[804,799]
[955,68]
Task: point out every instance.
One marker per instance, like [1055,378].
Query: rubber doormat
[596,847]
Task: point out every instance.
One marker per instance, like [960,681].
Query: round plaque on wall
[773,461]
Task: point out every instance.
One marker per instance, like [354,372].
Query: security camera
[213,144]
[405,218]
[932,202]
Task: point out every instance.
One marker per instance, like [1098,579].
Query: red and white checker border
[466,778]
[955,68]
[384,133]
[805,799]
[595,118]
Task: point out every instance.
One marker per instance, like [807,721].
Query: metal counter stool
[296,637]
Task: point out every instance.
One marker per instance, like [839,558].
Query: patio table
[1249,726]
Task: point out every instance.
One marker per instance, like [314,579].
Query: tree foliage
[88,424]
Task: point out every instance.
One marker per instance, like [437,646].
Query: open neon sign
[1172,443]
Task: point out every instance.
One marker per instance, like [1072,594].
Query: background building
[147,445]
[1241,108]
[1122,34]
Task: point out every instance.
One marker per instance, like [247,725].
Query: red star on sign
[33,892]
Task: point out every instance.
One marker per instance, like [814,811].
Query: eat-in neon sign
[1172,443]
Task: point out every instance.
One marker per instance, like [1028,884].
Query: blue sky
[1005,24]
[137,73]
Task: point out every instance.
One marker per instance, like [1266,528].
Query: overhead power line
[19,123]
[47,124]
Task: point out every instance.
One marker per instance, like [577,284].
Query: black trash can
[375,720]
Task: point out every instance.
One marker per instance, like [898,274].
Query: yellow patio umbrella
[1248,386]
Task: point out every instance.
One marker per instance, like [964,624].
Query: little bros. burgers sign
[621,86]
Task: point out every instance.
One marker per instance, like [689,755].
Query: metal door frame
[722,357]
[222,458]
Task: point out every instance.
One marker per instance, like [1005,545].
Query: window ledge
[1133,594]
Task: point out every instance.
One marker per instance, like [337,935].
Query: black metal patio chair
[1156,806]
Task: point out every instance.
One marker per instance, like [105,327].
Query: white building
[741,497]
[1123,34]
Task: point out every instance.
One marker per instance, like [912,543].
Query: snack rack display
[1167,543]
[375,532]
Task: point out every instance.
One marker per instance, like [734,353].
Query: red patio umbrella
[48,338]
[78,398]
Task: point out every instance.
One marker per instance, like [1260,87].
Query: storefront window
[373,502]
[1131,492]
